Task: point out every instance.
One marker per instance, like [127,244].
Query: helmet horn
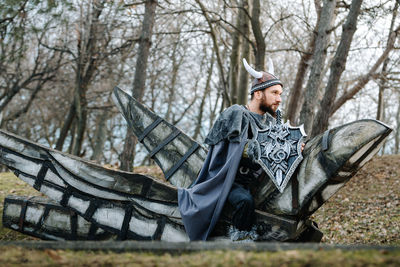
[270,66]
[253,72]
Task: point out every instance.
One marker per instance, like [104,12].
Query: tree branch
[366,78]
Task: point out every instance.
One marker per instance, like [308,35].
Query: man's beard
[265,108]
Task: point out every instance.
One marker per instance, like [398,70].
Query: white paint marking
[143,228]
[13,210]
[34,213]
[53,178]
[52,193]
[112,217]
[78,204]
[172,234]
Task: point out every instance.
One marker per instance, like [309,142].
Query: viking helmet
[262,79]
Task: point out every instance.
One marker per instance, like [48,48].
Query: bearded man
[228,174]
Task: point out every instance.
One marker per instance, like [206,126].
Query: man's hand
[302,147]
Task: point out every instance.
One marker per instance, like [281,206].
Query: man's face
[271,98]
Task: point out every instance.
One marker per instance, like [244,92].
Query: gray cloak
[201,204]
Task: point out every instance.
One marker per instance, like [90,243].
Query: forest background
[59,61]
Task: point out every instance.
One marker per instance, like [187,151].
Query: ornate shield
[278,151]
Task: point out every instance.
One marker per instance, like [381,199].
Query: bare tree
[296,96]
[397,133]
[362,81]
[259,46]
[88,49]
[319,56]
[24,65]
[235,58]
[337,67]
[245,53]
[203,99]
[100,135]
[176,60]
[89,44]
[383,78]
[185,36]
[93,46]
[213,35]
[127,156]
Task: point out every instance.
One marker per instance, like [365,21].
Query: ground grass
[11,185]
[365,211]
[23,257]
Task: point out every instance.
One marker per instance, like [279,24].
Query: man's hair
[252,94]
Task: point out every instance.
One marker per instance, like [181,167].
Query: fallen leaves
[367,209]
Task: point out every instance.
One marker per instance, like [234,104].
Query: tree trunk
[128,154]
[315,77]
[397,134]
[65,128]
[174,74]
[81,117]
[337,67]
[382,80]
[203,99]
[72,134]
[100,135]
[296,95]
[243,88]
[235,60]
[213,111]
[258,35]
[226,98]
[88,48]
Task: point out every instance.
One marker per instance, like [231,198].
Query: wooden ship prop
[89,202]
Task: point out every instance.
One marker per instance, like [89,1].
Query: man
[228,174]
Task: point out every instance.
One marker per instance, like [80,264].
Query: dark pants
[243,205]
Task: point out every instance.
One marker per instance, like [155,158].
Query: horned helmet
[262,79]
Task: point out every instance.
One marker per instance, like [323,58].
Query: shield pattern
[280,151]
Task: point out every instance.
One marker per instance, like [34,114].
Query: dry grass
[22,257]
[11,185]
